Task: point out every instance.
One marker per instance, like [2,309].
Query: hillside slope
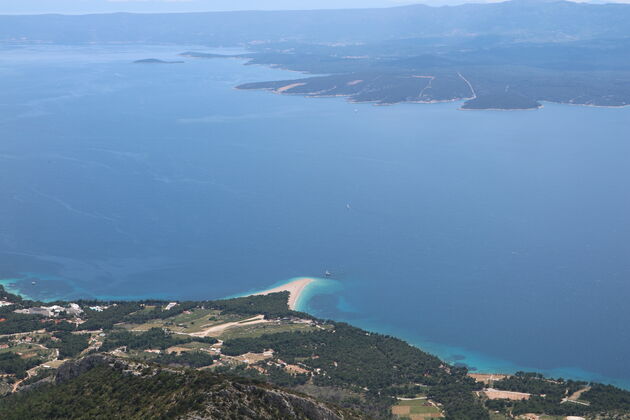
[103,387]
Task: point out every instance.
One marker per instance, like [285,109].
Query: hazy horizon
[165,6]
[24,7]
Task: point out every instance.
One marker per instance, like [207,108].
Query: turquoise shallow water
[494,239]
[320,286]
[479,362]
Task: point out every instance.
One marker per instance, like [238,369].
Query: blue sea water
[495,239]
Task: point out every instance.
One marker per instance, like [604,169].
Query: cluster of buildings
[52,311]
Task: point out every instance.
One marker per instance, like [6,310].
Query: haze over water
[502,236]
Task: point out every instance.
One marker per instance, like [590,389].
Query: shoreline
[295,287]
[377,102]
[480,363]
[301,288]
[10,286]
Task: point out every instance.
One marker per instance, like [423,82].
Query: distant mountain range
[511,55]
[531,20]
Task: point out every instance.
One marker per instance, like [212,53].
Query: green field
[34,349]
[200,319]
[188,323]
[256,330]
[414,409]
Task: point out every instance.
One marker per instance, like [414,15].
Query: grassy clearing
[195,321]
[419,402]
[200,319]
[256,330]
[197,316]
[417,409]
[21,348]
[142,327]
[55,363]
[29,350]
[194,345]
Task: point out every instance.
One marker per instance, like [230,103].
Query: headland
[295,287]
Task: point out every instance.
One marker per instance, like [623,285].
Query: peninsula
[295,288]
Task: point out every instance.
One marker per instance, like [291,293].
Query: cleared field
[54,364]
[195,320]
[256,330]
[29,350]
[194,346]
[142,327]
[20,348]
[495,394]
[207,322]
[187,323]
[417,409]
[200,320]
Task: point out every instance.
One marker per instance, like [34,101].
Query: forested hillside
[155,359]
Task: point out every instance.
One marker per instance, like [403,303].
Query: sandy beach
[295,289]
[289,87]
[488,378]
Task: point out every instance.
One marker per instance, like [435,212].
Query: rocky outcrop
[249,402]
[75,368]
[215,397]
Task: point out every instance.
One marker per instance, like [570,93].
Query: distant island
[251,357]
[193,54]
[508,55]
[156,61]
[485,77]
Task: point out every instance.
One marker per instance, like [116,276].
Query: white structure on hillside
[74,309]
[52,311]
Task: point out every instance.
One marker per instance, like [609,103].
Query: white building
[74,309]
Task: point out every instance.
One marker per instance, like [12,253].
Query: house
[42,311]
[55,309]
[74,309]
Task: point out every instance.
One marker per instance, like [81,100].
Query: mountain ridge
[569,19]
